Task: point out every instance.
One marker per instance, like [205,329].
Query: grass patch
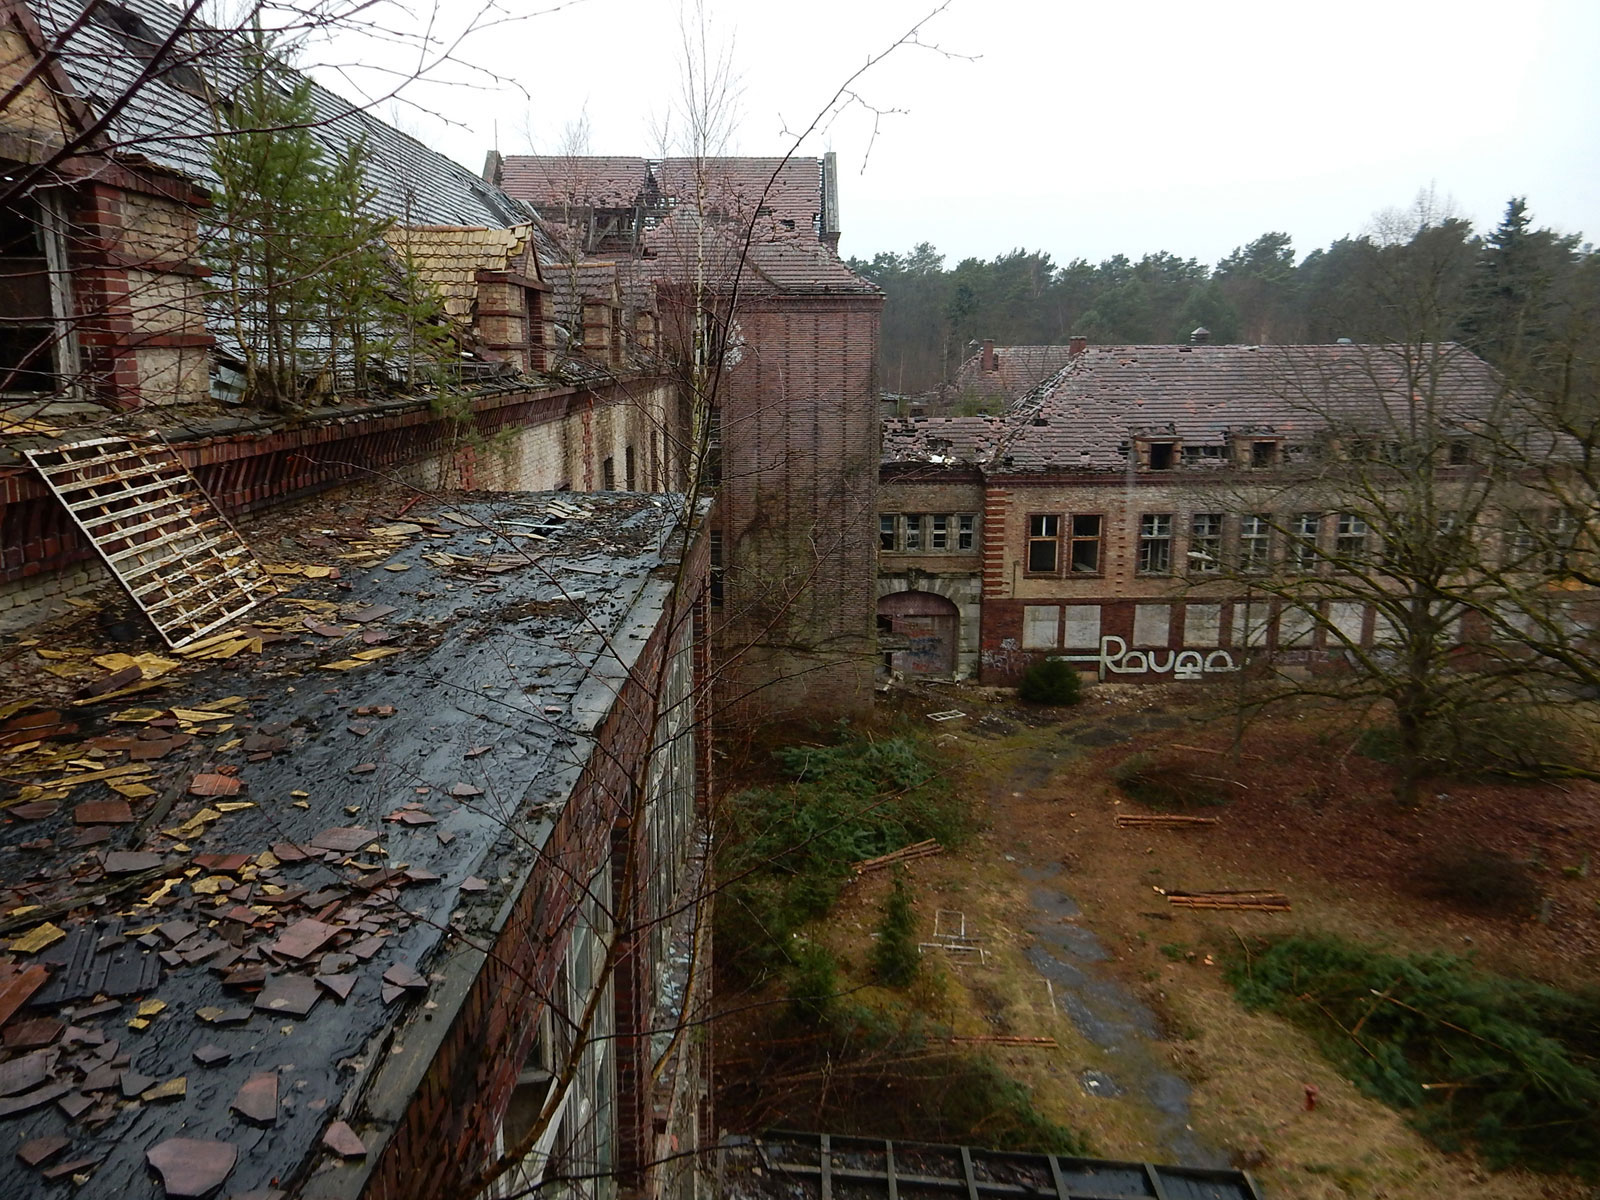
[785,851]
[1164,784]
[1509,1066]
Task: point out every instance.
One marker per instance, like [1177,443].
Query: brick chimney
[986,362]
[1076,346]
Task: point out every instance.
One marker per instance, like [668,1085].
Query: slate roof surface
[344,768]
[1085,416]
[173,128]
[554,180]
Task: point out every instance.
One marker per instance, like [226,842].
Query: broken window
[966,530]
[1351,541]
[1460,452]
[1155,544]
[1199,454]
[1044,535]
[1205,543]
[1084,554]
[1162,455]
[913,531]
[608,475]
[34,336]
[1263,454]
[886,529]
[1303,540]
[1255,542]
[629,470]
[939,532]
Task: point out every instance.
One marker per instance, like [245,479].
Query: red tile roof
[1086,415]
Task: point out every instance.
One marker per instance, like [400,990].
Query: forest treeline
[1514,294]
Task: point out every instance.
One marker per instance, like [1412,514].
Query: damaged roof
[1086,416]
[449,257]
[169,121]
[1017,369]
[231,872]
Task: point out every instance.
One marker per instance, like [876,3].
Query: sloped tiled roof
[1018,368]
[1085,416]
[685,243]
[552,180]
[449,258]
[172,127]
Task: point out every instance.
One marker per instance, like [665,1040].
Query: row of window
[932,532]
[1072,543]
[1163,454]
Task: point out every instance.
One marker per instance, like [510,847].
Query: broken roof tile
[191,1167]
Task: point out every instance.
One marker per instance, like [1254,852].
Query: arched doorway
[918,632]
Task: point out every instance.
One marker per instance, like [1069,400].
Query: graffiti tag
[1115,658]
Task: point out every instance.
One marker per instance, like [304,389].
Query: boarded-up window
[1041,625]
[1250,624]
[1082,627]
[1152,624]
[1202,625]
[1295,627]
[1347,617]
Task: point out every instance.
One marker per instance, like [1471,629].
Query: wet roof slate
[483,716]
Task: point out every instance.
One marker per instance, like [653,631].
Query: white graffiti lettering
[1115,657]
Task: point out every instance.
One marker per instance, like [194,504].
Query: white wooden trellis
[163,538]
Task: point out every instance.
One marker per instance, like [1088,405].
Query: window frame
[63,348]
[1350,546]
[966,531]
[1040,540]
[1075,539]
[1255,528]
[1151,538]
[1208,544]
[1304,550]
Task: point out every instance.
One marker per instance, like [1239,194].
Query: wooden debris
[904,854]
[1162,821]
[1247,900]
[1002,1039]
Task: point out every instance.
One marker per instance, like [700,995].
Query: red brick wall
[798,506]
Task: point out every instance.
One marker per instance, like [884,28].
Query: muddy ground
[1153,1057]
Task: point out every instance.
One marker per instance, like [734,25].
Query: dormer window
[1263,454]
[1163,455]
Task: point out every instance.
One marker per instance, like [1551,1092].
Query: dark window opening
[885,623]
[28,328]
[629,468]
[1044,532]
[1084,554]
[966,531]
[608,475]
[886,527]
[1161,455]
[1263,454]
[716,580]
[1460,452]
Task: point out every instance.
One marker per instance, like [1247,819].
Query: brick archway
[918,633]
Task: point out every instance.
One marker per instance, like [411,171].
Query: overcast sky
[1086,130]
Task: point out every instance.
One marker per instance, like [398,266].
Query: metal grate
[160,534]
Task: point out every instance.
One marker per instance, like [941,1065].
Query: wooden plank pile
[1246,900]
[902,855]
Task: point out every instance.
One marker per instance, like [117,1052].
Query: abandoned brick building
[790,412]
[384,977]
[1114,514]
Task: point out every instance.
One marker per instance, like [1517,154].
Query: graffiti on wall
[1115,658]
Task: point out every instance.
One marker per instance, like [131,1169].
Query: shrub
[896,958]
[1500,739]
[813,984]
[1149,780]
[1050,681]
[1511,1065]
[1481,881]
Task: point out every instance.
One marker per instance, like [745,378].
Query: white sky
[1088,129]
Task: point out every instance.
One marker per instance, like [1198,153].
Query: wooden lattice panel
[158,532]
